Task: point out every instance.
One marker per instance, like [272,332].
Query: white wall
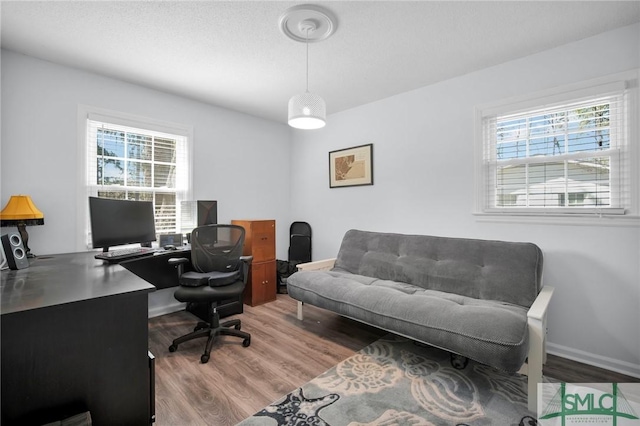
[424,182]
[239,160]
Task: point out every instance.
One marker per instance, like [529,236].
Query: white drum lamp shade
[307,111]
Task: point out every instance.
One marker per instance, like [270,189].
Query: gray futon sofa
[480,299]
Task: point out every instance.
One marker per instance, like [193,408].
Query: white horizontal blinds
[570,156]
[141,164]
[188,216]
[491,190]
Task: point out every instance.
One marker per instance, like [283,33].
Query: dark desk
[75,338]
[157,271]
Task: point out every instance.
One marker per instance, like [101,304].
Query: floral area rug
[395,381]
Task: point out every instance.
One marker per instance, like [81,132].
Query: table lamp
[20,212]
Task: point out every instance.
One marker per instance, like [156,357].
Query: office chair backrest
[300,228]
[217,248]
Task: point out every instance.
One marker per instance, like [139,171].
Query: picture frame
[351,166]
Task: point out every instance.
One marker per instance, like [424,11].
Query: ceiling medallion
[293,25]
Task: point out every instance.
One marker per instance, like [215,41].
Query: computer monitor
[119,222]
[207,212]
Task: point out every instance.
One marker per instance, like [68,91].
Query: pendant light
[308,24]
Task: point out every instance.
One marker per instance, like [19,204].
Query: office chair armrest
[178,262]
[174,261]
[246,262]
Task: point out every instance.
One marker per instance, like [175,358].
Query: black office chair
[220,273]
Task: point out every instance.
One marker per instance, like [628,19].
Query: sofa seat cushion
[491,332]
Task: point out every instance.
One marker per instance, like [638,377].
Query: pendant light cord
[307,43]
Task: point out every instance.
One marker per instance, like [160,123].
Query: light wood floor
[284,354]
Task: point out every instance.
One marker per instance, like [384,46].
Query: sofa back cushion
[492,270]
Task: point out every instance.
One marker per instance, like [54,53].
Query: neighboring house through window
[565,153]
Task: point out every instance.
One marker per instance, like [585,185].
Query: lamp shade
[307,111]
[20,208]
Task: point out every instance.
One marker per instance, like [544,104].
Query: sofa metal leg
[458,362]
[300,314]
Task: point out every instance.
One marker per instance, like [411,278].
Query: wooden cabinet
[263,284]
[260,242]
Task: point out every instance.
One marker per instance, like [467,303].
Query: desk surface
[74,338]
[65,278]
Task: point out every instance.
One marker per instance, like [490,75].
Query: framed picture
[351,166]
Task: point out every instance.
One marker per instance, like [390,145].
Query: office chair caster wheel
[200,326]
[173,348]
[246,343]
[204,359]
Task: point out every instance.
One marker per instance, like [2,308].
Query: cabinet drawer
[263,226]
[260,239]
[264,247]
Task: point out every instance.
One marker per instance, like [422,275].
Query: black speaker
[14,251]
[207,212]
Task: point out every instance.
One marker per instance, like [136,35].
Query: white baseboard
[163,310]
[607,363]
[161,302]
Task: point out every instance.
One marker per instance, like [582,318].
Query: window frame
[124,120]
[628,215]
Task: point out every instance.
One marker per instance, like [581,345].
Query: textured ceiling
[233,54]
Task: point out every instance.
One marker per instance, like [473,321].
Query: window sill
[560,219]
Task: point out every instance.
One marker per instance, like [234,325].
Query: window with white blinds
[565,157]
[136,161]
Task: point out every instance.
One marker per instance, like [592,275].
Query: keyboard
[116,256]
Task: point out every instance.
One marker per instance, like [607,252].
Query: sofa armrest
[319,265]
[537,324]
[538,309]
